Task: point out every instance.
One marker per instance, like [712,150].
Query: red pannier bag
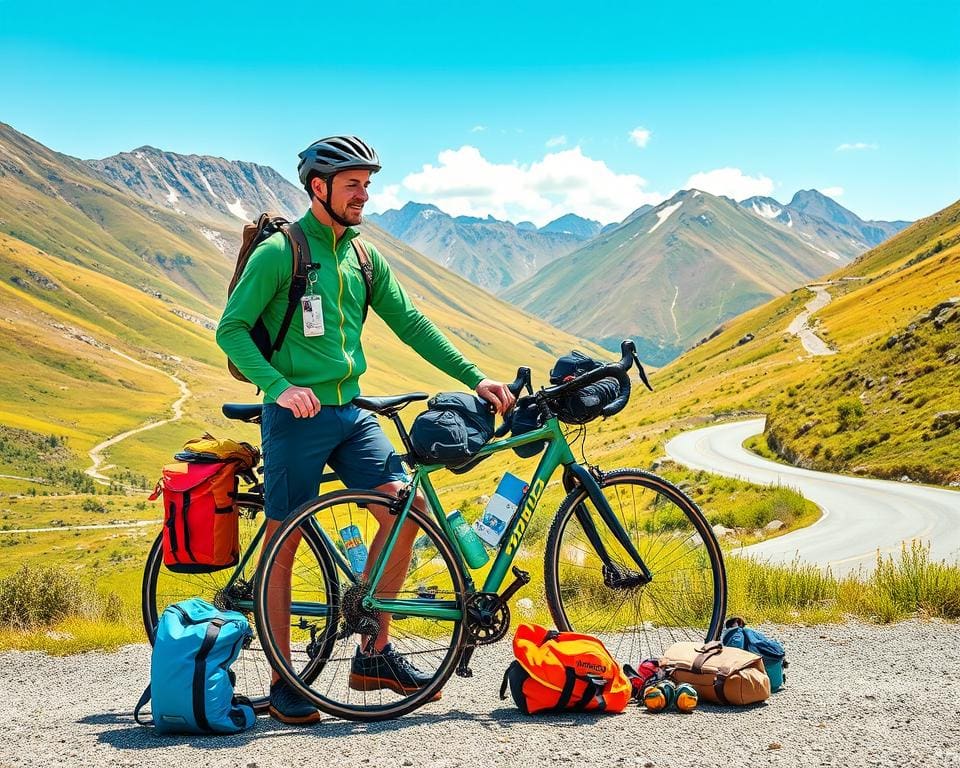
[200,516]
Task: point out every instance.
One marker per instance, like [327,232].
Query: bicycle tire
[686,598]
[435,642]
[161,587]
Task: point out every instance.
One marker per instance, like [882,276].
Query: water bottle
[500,509]
[355,548]
[470,545]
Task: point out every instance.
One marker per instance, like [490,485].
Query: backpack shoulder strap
[298,281]
[366,269]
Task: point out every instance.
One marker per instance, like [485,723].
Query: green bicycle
[629,558]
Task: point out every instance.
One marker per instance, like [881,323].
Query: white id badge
[312,315]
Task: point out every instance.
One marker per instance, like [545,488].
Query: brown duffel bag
[721,675]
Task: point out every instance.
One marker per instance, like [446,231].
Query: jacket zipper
[343,333]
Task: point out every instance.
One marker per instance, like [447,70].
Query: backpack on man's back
[257,232]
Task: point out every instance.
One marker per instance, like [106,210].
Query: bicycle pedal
[521,580]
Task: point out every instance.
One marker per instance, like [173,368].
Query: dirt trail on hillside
[96,452]
[799,327]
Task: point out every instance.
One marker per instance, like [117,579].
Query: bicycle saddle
[388,405]
[243,411]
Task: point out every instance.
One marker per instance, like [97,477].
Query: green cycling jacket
[330,364]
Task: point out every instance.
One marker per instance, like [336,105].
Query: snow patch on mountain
[766,210]
[206,183]
[664,213]
[172,196]
[237,209]
[216,238]
[428,213]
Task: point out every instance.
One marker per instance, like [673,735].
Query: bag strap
[718,680]
[366,269]
[200,673]
[144,698]
[298,279]
[704,653]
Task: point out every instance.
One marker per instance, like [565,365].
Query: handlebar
[618,371]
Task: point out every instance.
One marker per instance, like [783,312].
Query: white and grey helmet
[333,154]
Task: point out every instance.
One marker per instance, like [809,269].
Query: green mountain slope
[669,276]
[886,404]
[94,330]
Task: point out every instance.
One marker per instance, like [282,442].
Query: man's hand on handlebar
[497,394]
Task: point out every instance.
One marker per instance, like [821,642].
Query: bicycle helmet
[327,157]
[333,154]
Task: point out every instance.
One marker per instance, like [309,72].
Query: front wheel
[637,616]
[422,590]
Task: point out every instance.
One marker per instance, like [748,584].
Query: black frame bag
[453,428]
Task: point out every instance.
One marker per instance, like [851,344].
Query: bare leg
[278,590]
[396,570]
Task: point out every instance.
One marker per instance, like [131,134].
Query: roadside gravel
[858,695]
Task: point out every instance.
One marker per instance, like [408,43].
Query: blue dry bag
[737,635]
[190,679]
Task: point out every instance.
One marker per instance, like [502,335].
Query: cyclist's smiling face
[349,195]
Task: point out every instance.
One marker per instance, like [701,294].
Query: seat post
[402,431]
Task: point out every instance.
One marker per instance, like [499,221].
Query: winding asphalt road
[860,516]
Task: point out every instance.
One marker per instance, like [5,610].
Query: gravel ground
[858,695]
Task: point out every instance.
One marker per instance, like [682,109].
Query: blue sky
[520,110]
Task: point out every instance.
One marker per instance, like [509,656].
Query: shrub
[38,596]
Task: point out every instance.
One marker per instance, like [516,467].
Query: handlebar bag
[527,417]
[587,403]
[453,428]
[200,518]
[571,365]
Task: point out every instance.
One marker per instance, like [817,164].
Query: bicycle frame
[557,453]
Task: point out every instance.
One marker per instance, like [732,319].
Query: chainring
[488,618]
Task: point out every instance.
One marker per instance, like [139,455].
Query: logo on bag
[590,666]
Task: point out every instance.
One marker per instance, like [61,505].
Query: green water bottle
[470,545]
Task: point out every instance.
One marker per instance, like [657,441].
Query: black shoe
[288,706]
[387,669]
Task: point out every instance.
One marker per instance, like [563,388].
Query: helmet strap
[326,204]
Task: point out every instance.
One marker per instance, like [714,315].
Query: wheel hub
[356,618]
[618,577]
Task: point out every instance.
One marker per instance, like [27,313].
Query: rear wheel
[230,589]
[426,626]
[685,597]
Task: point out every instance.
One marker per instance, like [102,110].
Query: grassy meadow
[876,407]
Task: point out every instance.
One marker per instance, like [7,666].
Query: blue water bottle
[355,548]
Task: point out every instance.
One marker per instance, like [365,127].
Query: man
[308,419]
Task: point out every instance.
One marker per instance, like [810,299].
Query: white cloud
[640,136]
[730,182]
[478,129]
[464,183]
[832,191]
[387,198]
[856,147]
[556,141]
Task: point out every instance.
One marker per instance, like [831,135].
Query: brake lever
[643,373]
